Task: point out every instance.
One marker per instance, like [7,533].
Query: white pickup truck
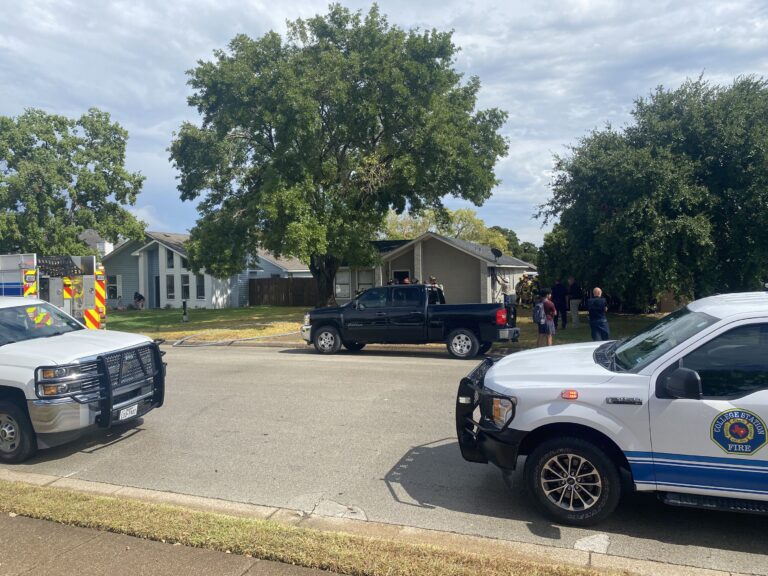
[680,409]
[58,379]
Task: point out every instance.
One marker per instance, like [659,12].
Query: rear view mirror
[683,383]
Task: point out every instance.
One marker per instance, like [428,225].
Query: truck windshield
[34,321]
[638,351]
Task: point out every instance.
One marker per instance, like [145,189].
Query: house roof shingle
[484,252]
[477,250]
[175,242]
[287,263]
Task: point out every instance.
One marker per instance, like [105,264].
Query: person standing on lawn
[598,322]
[574,300]
[547,313]
[560,300]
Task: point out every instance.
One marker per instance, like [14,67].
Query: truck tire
[573,481]
[17,439]
[484,347]
[327,340]
[462,344]
[354,346]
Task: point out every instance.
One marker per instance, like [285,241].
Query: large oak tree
[307,141]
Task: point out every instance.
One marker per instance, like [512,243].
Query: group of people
[554,304]
[407,280]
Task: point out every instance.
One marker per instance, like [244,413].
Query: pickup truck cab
[680,409]
[58,379]
[409,314]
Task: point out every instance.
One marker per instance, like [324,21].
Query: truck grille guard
[472,394]
[126,371]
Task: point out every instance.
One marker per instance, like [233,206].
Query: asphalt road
[368,435]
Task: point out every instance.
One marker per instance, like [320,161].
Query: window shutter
[119,285]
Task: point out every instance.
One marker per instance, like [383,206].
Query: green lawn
[620,325]
[227,323]
[261,321]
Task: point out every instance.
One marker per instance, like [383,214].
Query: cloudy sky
[560,68]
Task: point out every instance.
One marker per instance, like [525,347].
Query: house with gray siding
[157,268]
[468,272]
[267,265]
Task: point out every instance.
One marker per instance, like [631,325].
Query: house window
[200,286]
[113,287]
[364,280]
[185,286]
[168,258]
[342,284]
[170,289]
[184,263]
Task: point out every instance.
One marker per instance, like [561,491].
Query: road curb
[372,529]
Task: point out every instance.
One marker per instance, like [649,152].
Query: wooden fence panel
[282,292]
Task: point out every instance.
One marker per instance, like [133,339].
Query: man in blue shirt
[597,307]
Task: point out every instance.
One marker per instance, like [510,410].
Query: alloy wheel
[571,482]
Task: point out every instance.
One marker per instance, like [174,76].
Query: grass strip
[334,551]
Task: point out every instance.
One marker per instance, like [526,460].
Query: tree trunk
[323,268]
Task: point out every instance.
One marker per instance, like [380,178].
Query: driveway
[368,435]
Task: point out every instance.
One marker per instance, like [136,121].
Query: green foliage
[463,223]
[306,142]
[676,202]
[60,176]
[525,251]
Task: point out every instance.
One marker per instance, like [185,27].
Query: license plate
[129,412]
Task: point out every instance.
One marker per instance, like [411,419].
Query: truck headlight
[503,410]
[306,319]
[65,381]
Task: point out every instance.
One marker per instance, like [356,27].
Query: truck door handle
[381,313]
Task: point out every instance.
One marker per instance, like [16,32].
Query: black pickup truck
[406,314]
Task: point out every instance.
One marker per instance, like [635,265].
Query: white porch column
[379,276]
[142,288]
[161,260]
[417,268]
[485,285]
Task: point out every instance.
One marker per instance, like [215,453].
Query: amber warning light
[569,394]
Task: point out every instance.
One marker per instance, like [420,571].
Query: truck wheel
[17,439]
[573,481]
[354,346]
[484,347]
[462,343]
[327,340]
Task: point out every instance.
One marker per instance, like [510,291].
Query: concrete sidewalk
[39,548]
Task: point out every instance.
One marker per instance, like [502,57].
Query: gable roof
[384,246]
[287,263]
[175,242]
[477,250]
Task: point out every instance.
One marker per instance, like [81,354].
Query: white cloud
[560,68]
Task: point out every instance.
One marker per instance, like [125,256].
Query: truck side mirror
[683,383]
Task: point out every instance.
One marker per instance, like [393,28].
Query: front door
[407,315]
[717,444]
[365,320]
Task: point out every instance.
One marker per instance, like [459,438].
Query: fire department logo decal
[739,432]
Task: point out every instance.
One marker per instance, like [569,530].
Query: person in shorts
[547,328]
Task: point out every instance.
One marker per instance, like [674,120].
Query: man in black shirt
[560,300]
[598,306]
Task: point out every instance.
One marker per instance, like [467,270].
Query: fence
[282,292]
